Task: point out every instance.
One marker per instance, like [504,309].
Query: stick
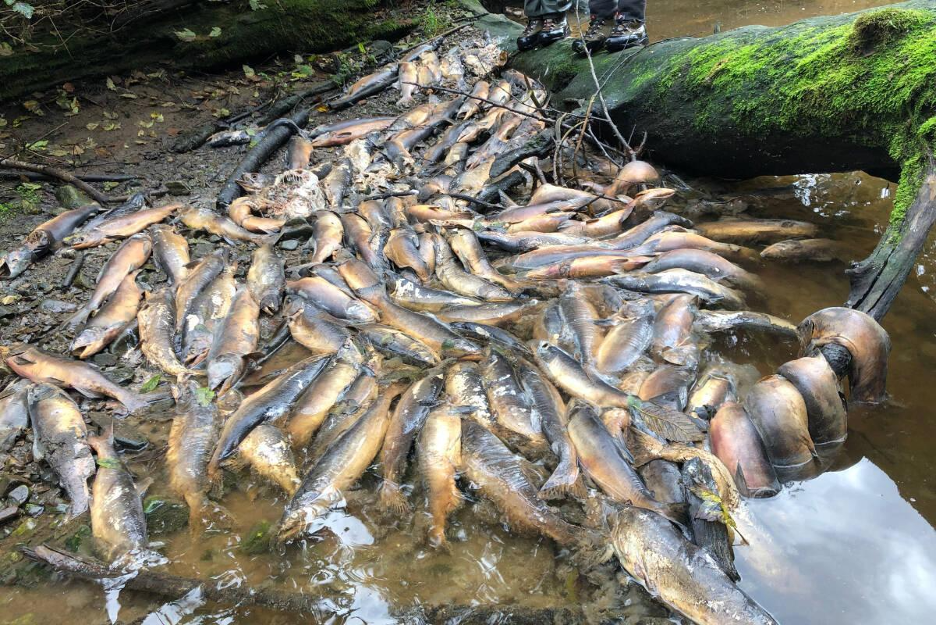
[73,270]
[88,178]
[258,155]
[473,200]
[96,195]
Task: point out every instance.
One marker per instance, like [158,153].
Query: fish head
[16,262]
[85,340]
[85,239]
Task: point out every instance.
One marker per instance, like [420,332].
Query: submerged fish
[117,521]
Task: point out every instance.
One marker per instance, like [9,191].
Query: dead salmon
[519,242]
[331,299]
[60,438]
[271,402]
[724,321]
[627,340]
[490,313]
[605,461]
[581,316]
[736,442]
[359,234]
[315,329]
[458,280]
[779,413]
[196,425]
[668,385]
[327,231]
[407,420]
[157,333]
[356,401]
[345,132]
[199,276]
[367,86]
[209,309]
[236,336]
[323,393]
[713,389]
[119,311]
[14,414]
[756,230]
[266,449]
[411,295]
[338,182]
[465,387]
[479,93]
[467,248]
[514,416]
[298,153]
[120,227]
[499,476]
[395,344]
[407,83]
[439,457]
[129,257]
[804,251]
[338,469]
[681,281]
[171,253]
[680,239]
[43,239]
[825,405]
[210,222]
[551,411]
[266,279]
[708,263]
[30,362]
[117,521]
[402,248]
[682,575]
[866,341]
[672,331]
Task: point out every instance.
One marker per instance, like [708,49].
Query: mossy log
[827,94]
[149,36]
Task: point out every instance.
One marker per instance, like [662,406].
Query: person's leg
[630,26]
[535,11]
[599,27]
[555,26]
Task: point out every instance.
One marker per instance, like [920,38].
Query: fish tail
[676,512]
[437,539]
[564,481]
[392,498]
[591,549]
[405,102]
[79,318]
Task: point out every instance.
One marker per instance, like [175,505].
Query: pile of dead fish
[549,343]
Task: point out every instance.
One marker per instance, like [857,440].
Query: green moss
[871,81]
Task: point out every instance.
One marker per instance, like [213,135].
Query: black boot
[594,38]
[530,35]
[626,34]
[554,29]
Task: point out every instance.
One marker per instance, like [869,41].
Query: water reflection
[866,554]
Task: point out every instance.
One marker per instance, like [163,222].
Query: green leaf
[108,463]
[23,8]
[360,47]
[256,5]
[110,184]
[110,84]
[215,32]
[39,145]
[5,49]
[186,35]
[249,71]
[204,396]
[151,384]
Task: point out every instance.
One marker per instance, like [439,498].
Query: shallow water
[853,545]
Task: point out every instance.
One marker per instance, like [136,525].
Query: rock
[178,188]
[164,515]
[57,306]
[257,540]
[290,244]
[6,311]
[104,359]
[126,436]
[19,495]
[120,374]
[33,510]
[70,197]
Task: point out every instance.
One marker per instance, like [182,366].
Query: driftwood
[258,155]
[59,174]
[88,178]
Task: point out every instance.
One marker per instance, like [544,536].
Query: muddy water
[853,545]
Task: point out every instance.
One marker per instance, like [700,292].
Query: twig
[96,195]
[73,270]
[473,200]
[88,178]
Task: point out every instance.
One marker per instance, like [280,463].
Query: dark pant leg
[542,8]
[633,9]
[602,8]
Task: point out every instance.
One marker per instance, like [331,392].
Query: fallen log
[827,94]
[145,33]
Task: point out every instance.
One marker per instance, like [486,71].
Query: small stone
[120,374]
[33,510]
[19,495]
[290,244]
[71,197]
[104,359]
[164,515]
[178,188]
[57,306]
[6,311]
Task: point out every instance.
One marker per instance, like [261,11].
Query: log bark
[145,33]
[827,94]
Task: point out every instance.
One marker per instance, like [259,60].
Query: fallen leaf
[186,35]
[129,95]
[92,125]
[110,116]
[110,84]
[5,49]
[215,32]
[33,107]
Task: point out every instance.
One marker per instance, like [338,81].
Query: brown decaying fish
[156,333]
[266,279]
[60,438]
[825,404]
[119,311]
[170,252]
[736,442]
[266,449]
[210,222]
[117,521]
[235,337]
[439,456]
[198,277]
[779,413]
[43,239]
[30,362]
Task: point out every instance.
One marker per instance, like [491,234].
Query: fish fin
[143,485]
[392,498]
[741,481]
[565,480]
[76,320]
[676,512]
[88,393]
